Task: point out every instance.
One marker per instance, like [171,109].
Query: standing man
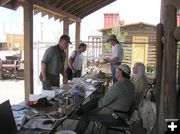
[75,61]
[52,63]
[117,55]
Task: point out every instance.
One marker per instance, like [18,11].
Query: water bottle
[76,96]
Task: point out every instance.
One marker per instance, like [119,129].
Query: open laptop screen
[7,122]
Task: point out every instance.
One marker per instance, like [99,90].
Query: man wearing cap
[119,97]
[117,55]
[52,63]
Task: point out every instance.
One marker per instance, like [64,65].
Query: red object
[31,103]
[111,19]
[178,19]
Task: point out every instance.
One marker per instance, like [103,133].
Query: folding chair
[125,124]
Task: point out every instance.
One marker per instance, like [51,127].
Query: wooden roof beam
[90,7]
[52,2]
[69,7]
[56,18]
[94,8]
[4,2]
[56,3]
[55,11]
[72,9]
[11,4]
[47,1]
[43,13]
[50,16]
[36,11]
[63,4]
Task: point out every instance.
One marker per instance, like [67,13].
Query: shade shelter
[68,11]
[72,11]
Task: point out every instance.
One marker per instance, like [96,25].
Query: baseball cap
[66,38]
[125,68]
[111,37]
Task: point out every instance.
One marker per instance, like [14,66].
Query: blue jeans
[113,72]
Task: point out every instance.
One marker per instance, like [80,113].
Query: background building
[13,42]
[139,42]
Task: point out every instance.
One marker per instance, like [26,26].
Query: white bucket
[65,132]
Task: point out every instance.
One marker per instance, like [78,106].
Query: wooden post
[159,53]
[66,31]
[78,29]
[28,48]
[167,106]
[179,70]
[178,96]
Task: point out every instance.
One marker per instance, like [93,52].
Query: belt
[52,75]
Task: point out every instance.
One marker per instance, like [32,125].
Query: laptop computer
[7,121]
[8,124]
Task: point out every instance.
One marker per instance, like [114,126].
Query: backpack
[69,71]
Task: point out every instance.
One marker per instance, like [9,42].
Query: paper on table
[19,118]
[48,93]
[90,87]
[18,107]
[58,91]
[88,80]
[94,81]
[33,97]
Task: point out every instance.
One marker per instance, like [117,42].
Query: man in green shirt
[52,63]
[119,97]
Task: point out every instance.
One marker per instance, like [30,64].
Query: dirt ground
[13,90]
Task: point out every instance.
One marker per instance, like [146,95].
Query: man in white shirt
[75,60]
[117,55]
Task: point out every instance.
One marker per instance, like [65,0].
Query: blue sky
[131,11]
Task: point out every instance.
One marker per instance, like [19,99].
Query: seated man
[119,97]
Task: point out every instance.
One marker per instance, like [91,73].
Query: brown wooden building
[15,41]
[3,46]
[139,44]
